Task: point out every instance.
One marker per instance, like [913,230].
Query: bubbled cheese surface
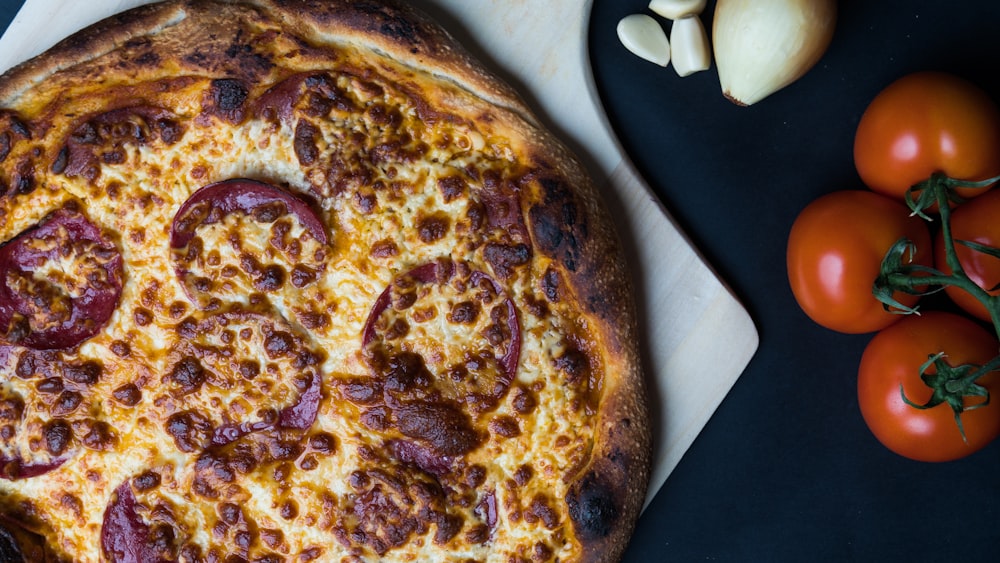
[423,448]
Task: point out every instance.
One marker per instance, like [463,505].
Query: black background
[786,469]
[7,10]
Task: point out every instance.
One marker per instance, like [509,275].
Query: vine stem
[950,384]
[960,278]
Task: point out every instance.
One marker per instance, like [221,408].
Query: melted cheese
[338,489]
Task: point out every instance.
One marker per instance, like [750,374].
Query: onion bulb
[761,46]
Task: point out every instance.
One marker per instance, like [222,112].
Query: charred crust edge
[593,508]
[604,502]
[568,225]
[87,44]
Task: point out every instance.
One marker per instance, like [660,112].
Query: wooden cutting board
[697,338]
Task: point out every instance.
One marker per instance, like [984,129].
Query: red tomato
[891,365]
[923,123]
[975,220]
[835,250]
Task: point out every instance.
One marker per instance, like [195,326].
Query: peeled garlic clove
[677,9]
[642,35]
[761,46]
[689,46]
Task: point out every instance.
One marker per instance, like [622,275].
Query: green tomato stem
[943,188]
[951,385]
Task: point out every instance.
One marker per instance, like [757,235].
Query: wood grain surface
[696,337]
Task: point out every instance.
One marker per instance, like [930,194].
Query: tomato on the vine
[835,250]
[890,369]
[923,123]
[975,221]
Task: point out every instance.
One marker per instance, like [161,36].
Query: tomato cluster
[860,260]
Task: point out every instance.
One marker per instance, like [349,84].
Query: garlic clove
[689,46]
[761,46]
[643,36]
[677,9]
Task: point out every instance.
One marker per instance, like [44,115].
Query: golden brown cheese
[423,443]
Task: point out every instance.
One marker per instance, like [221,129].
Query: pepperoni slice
[124,534]
[47,411]
[236,259]
[320,90]
[300,415]
[105,138]
[262,201]
[13,468]
[471,369]
[512,355]
[253,355]
[18,459]
[59,282]
[486,292]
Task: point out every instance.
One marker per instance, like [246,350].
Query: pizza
[291,280]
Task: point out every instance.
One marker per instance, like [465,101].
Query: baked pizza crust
[561,206]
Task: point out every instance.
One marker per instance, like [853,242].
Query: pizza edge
[607,496]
